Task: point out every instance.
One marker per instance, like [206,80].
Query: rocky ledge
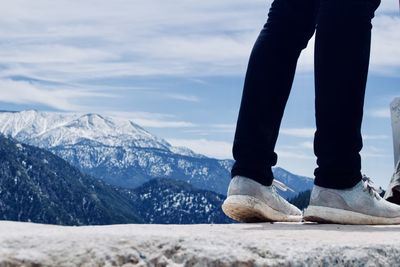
[279,244]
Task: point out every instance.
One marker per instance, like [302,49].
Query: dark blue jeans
[342,51]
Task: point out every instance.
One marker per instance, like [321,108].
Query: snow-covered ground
[30,244]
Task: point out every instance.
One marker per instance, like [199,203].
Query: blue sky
[177,67]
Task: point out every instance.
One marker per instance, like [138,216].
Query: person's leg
[340,194]
[342,50]
[269,77]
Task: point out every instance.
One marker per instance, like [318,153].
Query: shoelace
[273,189]
[275,192]
[370,187]
[281,186]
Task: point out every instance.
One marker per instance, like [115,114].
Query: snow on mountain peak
[50,129]
[29,122]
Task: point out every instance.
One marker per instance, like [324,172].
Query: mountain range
[115,150]
[38,186]
[123,154]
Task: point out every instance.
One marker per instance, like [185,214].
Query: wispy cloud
[152,120]
[379,113]
[72,41]
[298,132]
[211,148]
[374,152]
[208,129]
[375,137]
[54,53]
[153,123]
[385,49]
[183,97]
[284,153]
[22,92]
[224,126]
[300,151]
[388,7]
[308,145]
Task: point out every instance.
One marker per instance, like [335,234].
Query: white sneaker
[360,204]
[250,201]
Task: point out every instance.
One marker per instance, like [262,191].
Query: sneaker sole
[321,214]
[249,210]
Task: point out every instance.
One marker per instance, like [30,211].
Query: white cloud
[282,153]
[374,152]
[211,148]
[212,129]
[124,38]
[306,59]
[298,132]
[308,145]
[298,151]
[182,97]
[221,128]
[21,92]
[388,6]
[379,113]
[375,137]
[152,120]
[197,132]
[205,130]
[71,40]
[385,49]
[152,123]
[224,126]
[54,53]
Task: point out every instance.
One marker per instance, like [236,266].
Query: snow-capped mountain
[47,130]
[115,150]
[122,153]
